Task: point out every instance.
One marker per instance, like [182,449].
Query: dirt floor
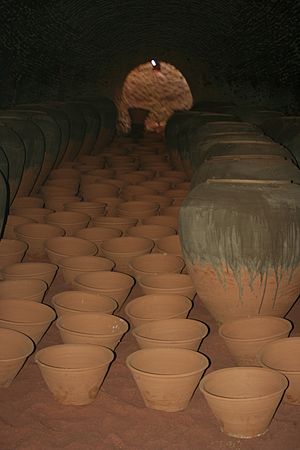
[30,418]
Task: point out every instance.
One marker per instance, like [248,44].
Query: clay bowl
[179,333]
[30,318]
[137,209]
[167,377]
[29,289]
[171,211]
[133,191]
[35,235]
[154,264]
[133,177]
[76,265]
[121,250]
[57,202]
[118,223]
[92,328]
[62,247]
[15,348]
[11,251]
[113,284]
[92,159]
[92,209]
[71,184]
[158,187]
[77,302]
[166,221]
[243,399]
[28,202]
[90,191]
[121,184]
[153,232]
[168,283]
[184,185]
[246,337]
[177,174]
[74,373]
[37,214]
[11,222]
[69,221]
[98,173]
[283,355]
[148,308]
[49,190]
[175,194]
[37,270]
[64,174]
[170,245]
[98,235]
[162,201]
[110,204]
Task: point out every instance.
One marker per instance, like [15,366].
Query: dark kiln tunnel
[150,207]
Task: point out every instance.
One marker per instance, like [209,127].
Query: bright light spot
[153,62]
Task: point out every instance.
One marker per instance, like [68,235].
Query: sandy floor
[30,418]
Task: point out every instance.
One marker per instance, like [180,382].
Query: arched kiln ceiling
[60,44]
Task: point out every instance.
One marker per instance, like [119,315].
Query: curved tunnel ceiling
[61,45]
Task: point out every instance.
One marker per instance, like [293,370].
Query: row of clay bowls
[127,205]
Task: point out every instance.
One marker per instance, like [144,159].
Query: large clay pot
[14,355]
[74,373]
[283,355]
[244,399]
[240,245]
[92,328]
[167,377]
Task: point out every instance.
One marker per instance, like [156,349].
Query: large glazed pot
[241,245]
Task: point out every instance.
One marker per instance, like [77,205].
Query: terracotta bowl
[154,264]
[111,204]
[64,174]
[121,250]
[243,399]
[177,174]
[62,247]
[30,318]
[90,191]
[98,235]
[11,222]
[71,184]
[167,221]
[28,202]
[76,265]
[148,308]
[48,190]
[74,373]
[92,328]
[133,178]
[170,245]
[179,333]
[137,209]
[168,283]
[78,302]
[171,211]
[130,192]
[246,337]
[283,355]
[11,251]
[167,377]
[113,284]
[159,187]
[153,232]
[69,221]
[29,289]
[35,235]
[119,223]
[161,200]
[38,270]
[57,202]
[92,209]
[14,355]
[91,159]
[37,214]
